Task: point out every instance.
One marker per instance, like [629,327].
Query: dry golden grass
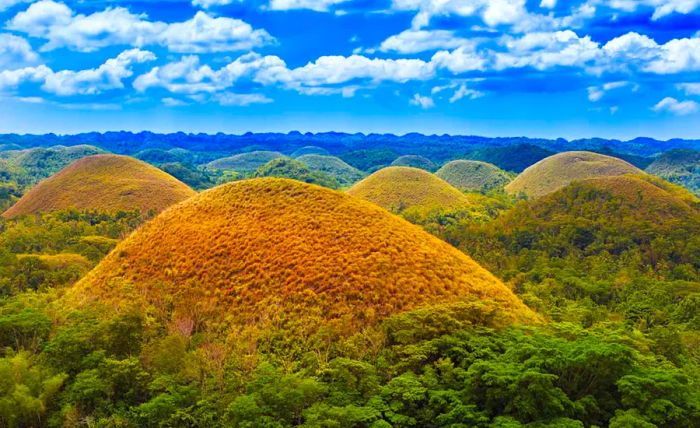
[105,183]
[555,172]
[399,188]
[275,250]
[473,176]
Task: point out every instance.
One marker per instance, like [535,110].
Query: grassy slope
[415,162]
[680,167]
[473,176]
[276,251]
[245,162]
[557,171]
[333,166]
[104,183]
[399,188]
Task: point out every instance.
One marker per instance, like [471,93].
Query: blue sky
[540,68]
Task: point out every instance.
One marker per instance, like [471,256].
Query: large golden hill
[398,188]
[277,252]
[473,176]
[555,172]
[105,183]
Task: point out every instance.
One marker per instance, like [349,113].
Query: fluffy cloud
[689,88]
[678,108]
[546,50]
[108,76]
[206,4]
[15,52]
[317,5]
[493,12]
[596,93]
[6,4]
[461,60]
[61,27]
[240,100]
[414,41]
[661,8]
[675,56]
[189,76]
[422,101]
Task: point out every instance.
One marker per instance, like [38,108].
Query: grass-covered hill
[415,161]
[400,188]
[369,160]
[296,170]
[333,166]
[474,176]
[245,162]
[106,183]
[310,150]
[514,157]
[555,172]
[282,254]
[679,166]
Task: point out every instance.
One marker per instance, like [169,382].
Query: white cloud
[492,12]
[548,4]
[460,60]
[188,76]
[206,4]
[173,102]
[464,92]
[678,108]
[546,50]
[414,41]
[675,56]
[240,100]
[317,5]
[596,93]
[661,8]
[6,4]
[15,52]
[61,27]
[423,102]
[108,76]
[689,88]
[94,81]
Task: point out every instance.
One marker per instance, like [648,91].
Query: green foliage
[294,169]
[370,160]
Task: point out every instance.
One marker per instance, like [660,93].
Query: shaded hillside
[369,160]
[399,188]
[333,166]
[557,171]
[474,176]
[310,150]
[679,166]
[415,161]
[296,170]
[245,162]
[510,158]
[334,259]
[104,183]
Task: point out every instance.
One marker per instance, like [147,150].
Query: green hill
[474,176]
[245,162]
[334,167]
[555,172]
[510,158]
[415,161]
[310,150]
[296,170]
[679,166]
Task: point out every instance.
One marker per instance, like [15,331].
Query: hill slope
[295,170]
[473,176]
[680,167]
[511,158]
[245,162]
[333,257]
[333,166]
[555,172]
[415,162]
[398,188]
[104,183]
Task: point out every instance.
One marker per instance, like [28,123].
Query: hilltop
[310,150]
[333,166]
[555,172]
[398,188]
[415,162]
[245,162]
[104,183]
[295,170]
[473,176]
[679,166]
[333,258]
[514,158]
